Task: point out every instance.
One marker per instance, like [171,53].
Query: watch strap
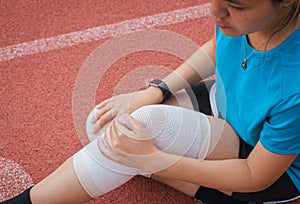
[162,86]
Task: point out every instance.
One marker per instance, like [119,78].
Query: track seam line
[102,32]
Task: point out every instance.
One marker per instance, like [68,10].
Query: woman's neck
[273,36]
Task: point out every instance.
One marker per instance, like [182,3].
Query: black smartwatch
[162,86]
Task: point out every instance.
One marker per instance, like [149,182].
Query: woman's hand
[126,142]
[124,103]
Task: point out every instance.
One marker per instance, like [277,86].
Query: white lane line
[101,32]
[13,179]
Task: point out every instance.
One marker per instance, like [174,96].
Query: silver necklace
[244,61]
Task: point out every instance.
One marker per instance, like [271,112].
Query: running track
[43,46]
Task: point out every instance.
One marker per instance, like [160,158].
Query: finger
[107,117]
[100,112]
[124,120]
[104,148]
[125,128]
[103,103]
[120,142]
[103,141]
[115,135]
[107,137]
[111,138]
[136,129]
[107,141]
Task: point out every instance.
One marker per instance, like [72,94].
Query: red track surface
[37,129]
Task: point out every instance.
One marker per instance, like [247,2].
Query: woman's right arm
[199,66]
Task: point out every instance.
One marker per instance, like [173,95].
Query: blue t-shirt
[262,102]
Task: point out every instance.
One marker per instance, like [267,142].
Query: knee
[146,113]
[153,118]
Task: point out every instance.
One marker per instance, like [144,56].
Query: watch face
[156,81]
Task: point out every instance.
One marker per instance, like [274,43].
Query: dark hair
[291,18]
[293,15]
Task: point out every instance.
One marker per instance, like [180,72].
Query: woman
[250,151]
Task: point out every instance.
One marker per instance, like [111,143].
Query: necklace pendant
[244,64]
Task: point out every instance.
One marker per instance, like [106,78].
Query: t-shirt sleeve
[281,131]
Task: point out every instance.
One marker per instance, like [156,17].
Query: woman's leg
[62,186]
[226,147]
[69,184]
[198,98]
[89,174]
[166,125]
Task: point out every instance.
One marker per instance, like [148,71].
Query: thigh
[181,98]
[224,141]
[224,145]
[184,187]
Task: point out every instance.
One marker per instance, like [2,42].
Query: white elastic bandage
[94,172]
[174,130]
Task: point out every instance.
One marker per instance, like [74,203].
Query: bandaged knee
[173,129]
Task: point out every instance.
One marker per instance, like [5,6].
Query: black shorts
[282,189]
